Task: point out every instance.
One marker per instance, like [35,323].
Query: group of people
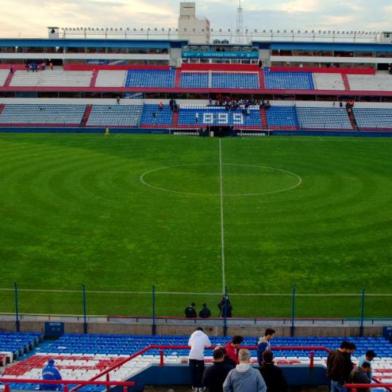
[225,309]
[232,370]
[35,67]
[341,370]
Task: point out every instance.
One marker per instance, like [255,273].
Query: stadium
[145,170]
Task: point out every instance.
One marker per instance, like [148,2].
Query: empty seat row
[42,114]
[373,118]
[150,78]
[115,115]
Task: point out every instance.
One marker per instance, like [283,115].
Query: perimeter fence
[153,304]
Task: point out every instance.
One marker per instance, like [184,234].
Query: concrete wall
[141,329]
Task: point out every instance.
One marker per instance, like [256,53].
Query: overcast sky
[23,18]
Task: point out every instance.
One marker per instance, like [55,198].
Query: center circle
[204,179]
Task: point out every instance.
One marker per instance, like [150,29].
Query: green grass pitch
[122,213]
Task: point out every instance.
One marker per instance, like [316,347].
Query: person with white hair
[244,377]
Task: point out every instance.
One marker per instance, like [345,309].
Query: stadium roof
[319,46]
[166,44]
[92,43]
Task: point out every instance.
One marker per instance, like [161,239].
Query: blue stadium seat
[194,79]
[373,118]
[288,80]
[230,80]
[282,117]
[42,114]
[151,78]
[163,117]
[115,115]
[323,118]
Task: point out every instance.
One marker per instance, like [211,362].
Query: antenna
[240,24]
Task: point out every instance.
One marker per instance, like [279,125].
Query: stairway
[94,78]
[86,115]
[175,120]
[263,117]
[352,118]
[7,82]
[346,82]
[177,82]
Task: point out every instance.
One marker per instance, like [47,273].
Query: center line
[222,219]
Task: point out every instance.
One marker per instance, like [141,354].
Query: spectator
[232,349]
[264,344]
[198,341]
[273,375]
[339,366]
[160,106]
[190,311]
[225,308]
[215,375]
[118,99]
[244,378]
[205,312]
[360,375]
[50,65]
[368,357]
[197,118]
[12,69]
[50,373]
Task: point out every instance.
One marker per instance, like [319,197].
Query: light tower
[240,39]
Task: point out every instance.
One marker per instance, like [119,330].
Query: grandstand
[107,205]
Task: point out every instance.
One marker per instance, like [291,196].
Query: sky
[29,18]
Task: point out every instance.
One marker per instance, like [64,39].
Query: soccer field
[192,215]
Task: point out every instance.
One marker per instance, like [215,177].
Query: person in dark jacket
[225,307]
[205,312]
[360,375]
[50,373]
[264,344]
[273,375]
[339,366]
[215,375]
[190,311]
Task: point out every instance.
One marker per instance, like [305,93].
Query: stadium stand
[373,118]
[194,116]
[42,114]
[328,81]
[111,78]
[115,115]
[153,116]
[13,345]
[230,80]
[323,118]
[194,79]
[288,80]
[151,78]
[282,117]
[3,76]
[380,82]
[53,78]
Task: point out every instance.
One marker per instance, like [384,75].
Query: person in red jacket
[232,349]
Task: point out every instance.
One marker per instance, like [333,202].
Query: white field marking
[143,176]
[199,293]
[222,224]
